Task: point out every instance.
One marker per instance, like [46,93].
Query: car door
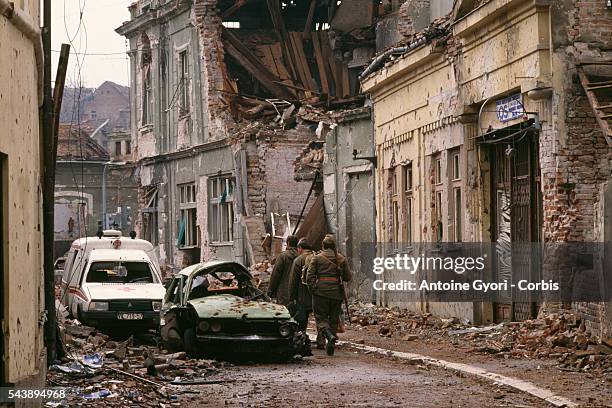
[170,327]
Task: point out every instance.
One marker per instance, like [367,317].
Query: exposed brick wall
[271,171]
[582,163]
[213,65]
[414,15]
[590,22]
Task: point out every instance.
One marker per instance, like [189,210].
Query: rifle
[348,311]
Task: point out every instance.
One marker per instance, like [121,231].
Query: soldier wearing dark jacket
[279,280]
[298,290]
[326,272]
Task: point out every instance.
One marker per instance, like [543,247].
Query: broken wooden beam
[602,120]
[309,18]
[253,65]
[233,8]
[321,63]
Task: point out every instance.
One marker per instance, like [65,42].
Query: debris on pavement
[561,336]
[125,372]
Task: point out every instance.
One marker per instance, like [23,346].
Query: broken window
[146,96]
[395,203]
[184,82]
[456,165]
[438,170]
[456,202]
[149,217]
[407,233]
[145,64]
[438,187]
[128,147]
[221,219]
[188,227]
[458,213]
[117,148]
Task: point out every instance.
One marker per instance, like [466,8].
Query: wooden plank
[301,76]
[592,88]
[278,60]
[331,65]
[268,59]
[321,63]
[309,18]
[298,44]
[253,65]
[281,33]
[605,126]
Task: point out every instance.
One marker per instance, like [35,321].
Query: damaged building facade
[92,188]
[230,107]
[492,124]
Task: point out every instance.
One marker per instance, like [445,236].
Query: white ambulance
[113,281]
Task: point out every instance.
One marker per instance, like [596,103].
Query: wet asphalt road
[350,379]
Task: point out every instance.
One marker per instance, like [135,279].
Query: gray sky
[95,36]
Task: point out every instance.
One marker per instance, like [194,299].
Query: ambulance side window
[68,266]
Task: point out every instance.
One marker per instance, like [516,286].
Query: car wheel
[190,342]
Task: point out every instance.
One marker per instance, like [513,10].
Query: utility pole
[48,187]
[52,104]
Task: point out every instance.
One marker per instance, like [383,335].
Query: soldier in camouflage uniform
[299,293]
[327,271]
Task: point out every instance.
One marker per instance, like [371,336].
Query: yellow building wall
[22,202]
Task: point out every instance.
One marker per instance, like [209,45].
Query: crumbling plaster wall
[21,172]
[348,186]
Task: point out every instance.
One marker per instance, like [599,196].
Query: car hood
[234,307]
[101,291]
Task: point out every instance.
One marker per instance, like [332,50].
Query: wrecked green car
[213,308]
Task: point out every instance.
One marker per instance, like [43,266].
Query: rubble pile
[99,370]
[261,272]
[556,335]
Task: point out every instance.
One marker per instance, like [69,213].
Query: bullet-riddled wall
[22,358]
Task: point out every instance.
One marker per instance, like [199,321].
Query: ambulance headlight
[98,306]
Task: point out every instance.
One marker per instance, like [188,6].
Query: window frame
[184,82]
[187,194]
[407,201]
[220,232]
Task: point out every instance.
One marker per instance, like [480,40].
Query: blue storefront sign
[509,108]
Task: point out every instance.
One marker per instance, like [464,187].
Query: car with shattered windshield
[113,282]
[214,308]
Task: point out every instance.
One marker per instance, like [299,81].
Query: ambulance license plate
[129,316]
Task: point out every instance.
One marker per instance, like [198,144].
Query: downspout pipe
[24,23]
[375,64]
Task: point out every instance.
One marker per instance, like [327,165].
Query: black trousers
[302,313]
[327,312]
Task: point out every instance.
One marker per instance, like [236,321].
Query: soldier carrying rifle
[327,272]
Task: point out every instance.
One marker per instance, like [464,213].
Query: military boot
[320,340]
[331,341]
